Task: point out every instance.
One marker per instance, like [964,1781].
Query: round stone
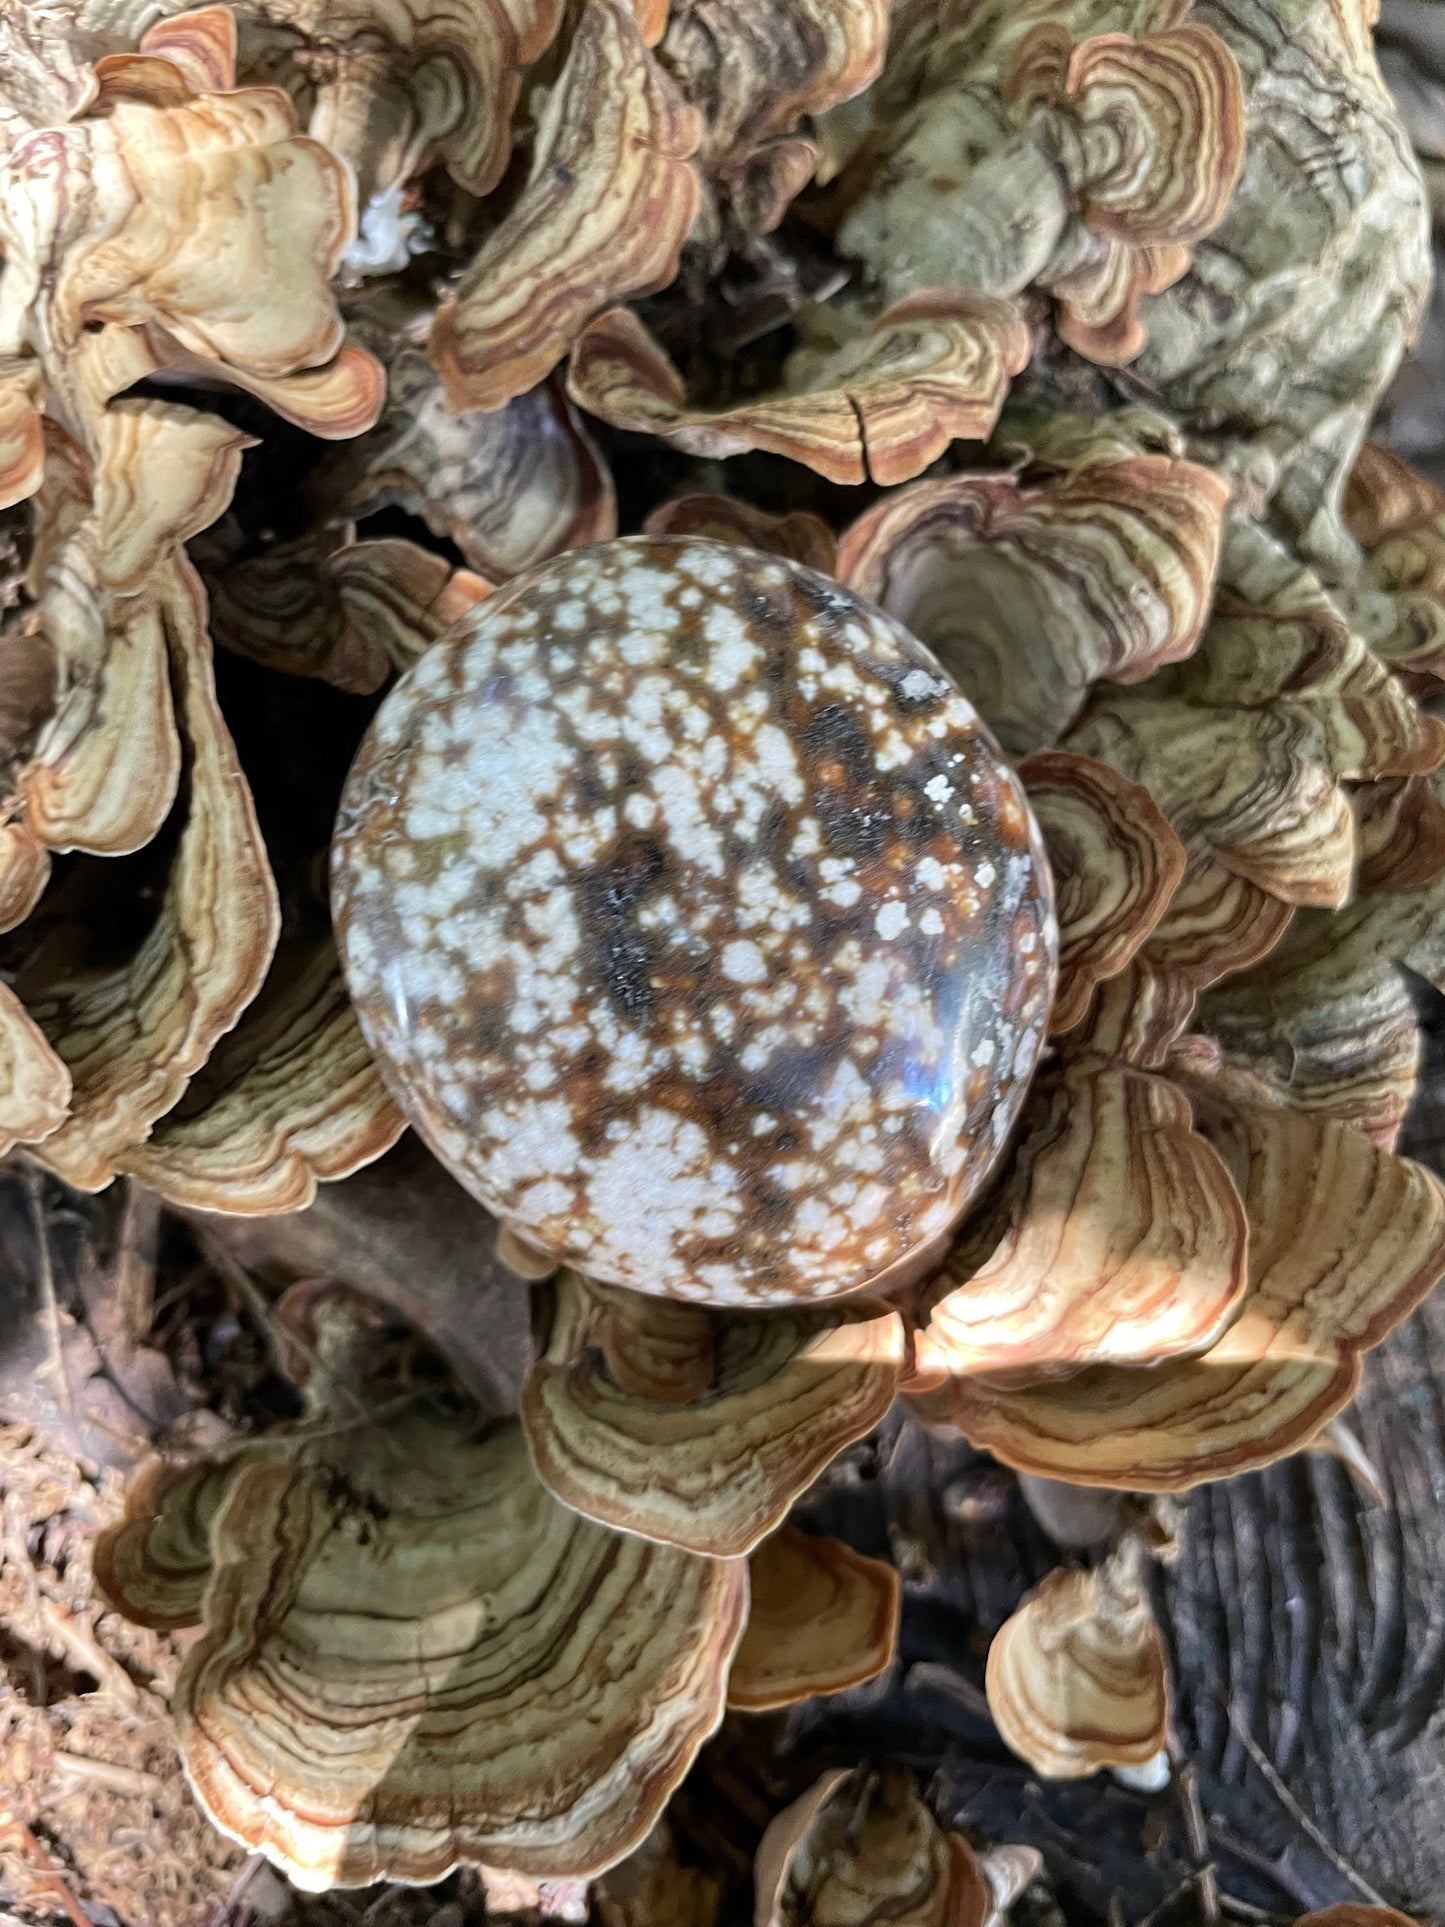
[697,923]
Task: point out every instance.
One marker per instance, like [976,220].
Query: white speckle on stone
[891,920]
[743,963]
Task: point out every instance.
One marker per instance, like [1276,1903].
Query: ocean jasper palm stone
[697,923]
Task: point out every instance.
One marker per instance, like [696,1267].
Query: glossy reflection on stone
[697,923]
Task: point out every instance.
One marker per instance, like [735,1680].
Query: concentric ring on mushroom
[698,923]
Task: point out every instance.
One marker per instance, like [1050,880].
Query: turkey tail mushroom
[465,1722]
[707,1443]
[1076,1676]
[821,1619]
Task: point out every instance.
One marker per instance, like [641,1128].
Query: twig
[1197,1834]
[135,1264]
[45,1272]
[1245,1909]
[225,1909]
[44,1864]
[1176,1893]
[132,1781]
[1297,1813]
[82,1650]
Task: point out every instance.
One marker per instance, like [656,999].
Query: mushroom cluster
[921,912]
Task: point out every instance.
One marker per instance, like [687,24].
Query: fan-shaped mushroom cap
[1076,1676]
[1344,1241]
[1277,711]
[1327,1019]
[1214,924]
[883,404]
[22,438]
[821,1619]
[509,488]
[291,1098]
[603,216]
[861,1850]
[1116,864]
[112,276]
[133,1033]
[34,1083]
[1150,135]
[800,536]
[698,926]
[398,86]
[533,1691]
[1398,517]
[1030,595]
[698,1427]
[1091,169]
[165,221]
[154,1566]
[1400,833]
[1118,1238]
[753,73]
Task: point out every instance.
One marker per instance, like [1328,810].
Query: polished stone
[697,923]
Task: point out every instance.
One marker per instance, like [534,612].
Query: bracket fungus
[1345,1239]
[821,1619]
[469,1721]
[119,269]
[1327,1019]
[1032,594]
[695,1426]
[1076,1676]
[604,214]
[711,949]
[1097,164]
[1116,866]
[882,404]
[1122,1240]
[509,488]
[861,1849]
[945,938]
